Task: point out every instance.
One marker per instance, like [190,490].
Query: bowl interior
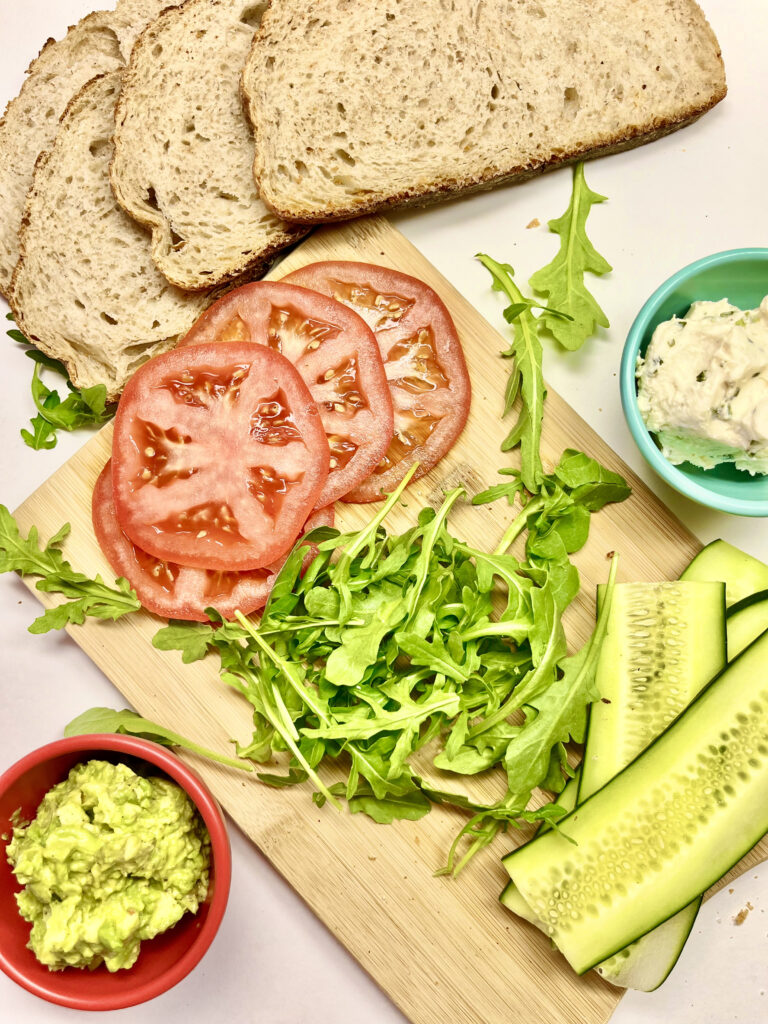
[162,962]
[741,276]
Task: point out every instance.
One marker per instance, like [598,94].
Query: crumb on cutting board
[742,915]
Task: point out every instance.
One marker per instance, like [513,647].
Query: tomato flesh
[219,456]
[337,356]
[177,591]
[423,361]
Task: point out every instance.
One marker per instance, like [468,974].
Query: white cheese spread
[702,387]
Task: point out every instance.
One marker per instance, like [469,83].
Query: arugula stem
[350,553]
[500,628]
[518,524]
[428,544]
[302,691]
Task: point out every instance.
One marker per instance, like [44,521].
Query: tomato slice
[178,591]
[336,354]
[219,456]
[423,360]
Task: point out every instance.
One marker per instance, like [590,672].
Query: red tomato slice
[423,360]
[219,456]
[338,358]
[178,591]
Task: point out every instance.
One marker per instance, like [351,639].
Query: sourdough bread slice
[184,148]
[98,44]
[85,289]
[361,106]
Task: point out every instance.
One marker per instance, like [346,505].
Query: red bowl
[164,960]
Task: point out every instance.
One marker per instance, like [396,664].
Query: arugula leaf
[526,377]
[562,280]
[87,597]
[83,407]
[193,639]
[103,720]
[561,712]
[384,810]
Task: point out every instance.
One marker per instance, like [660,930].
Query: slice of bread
[184,148]
[98,44]
[85,289]
[361,106]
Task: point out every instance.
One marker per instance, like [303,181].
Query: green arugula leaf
[104,720]
[41,436]
[526,351]
[561,712]
[193,639]
[86,597]
[562,280]
[81,408]
[384,810]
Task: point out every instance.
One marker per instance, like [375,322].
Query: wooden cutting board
[444,950]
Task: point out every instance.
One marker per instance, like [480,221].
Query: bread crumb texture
[184,149]
[358,106]
[85,289]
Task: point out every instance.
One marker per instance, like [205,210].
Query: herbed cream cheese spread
[702,387]
[110,859]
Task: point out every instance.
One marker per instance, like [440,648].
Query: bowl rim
[162,758]
[642,436]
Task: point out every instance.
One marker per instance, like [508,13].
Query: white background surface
[698,191]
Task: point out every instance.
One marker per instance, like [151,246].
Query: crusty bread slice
[85,289]
[361,106]
[98,44]
[184,148]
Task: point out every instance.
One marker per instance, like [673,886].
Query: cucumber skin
[712,851]
[632,971]
[746,621]
[720,561]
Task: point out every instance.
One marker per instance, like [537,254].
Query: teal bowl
[741,276]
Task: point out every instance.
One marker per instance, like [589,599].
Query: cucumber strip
[645,964]
[746,621]
[742,574]
[664,642]
[649,680]
[510,897]
[664,829]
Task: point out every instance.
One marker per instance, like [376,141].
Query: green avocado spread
[110,859]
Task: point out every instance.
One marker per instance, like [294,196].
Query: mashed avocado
[110,859]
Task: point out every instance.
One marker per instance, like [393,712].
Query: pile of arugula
[82,407]
[391,643]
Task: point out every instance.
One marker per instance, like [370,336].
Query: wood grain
[444,950]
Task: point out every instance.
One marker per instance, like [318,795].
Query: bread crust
[457,188]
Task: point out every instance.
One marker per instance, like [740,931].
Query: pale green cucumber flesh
[663,830]
[742,574]
[663,643]
[648,962]
[513,901]
[746,621]
[510,897]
